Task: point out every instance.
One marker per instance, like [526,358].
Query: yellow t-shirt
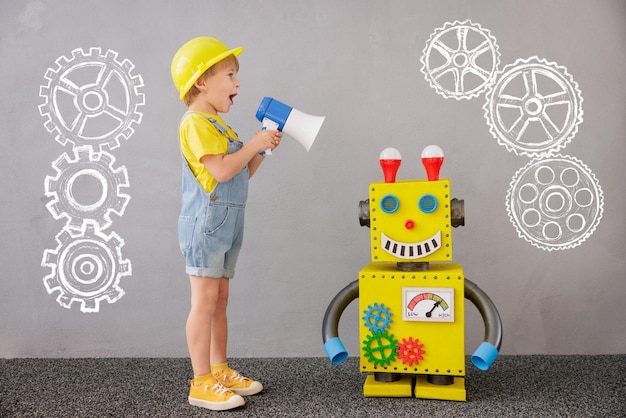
[199,137]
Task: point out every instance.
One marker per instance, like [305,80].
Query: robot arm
[330,327]
[487,351]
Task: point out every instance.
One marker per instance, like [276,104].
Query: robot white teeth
[411,296]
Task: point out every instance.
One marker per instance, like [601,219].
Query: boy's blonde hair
[193,91]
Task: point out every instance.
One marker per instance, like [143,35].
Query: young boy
[216,169]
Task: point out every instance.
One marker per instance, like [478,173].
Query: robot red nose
[409,224]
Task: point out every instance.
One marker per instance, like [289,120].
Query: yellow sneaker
[237,383]
[212,395]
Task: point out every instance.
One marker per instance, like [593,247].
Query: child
[216,169]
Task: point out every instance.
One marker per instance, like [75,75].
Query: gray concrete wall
[89,214]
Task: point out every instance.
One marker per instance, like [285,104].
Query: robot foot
[402,388]
[453,392]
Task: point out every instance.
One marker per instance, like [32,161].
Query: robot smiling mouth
[411,250]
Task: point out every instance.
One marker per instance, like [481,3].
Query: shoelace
[234,375]
[217,388]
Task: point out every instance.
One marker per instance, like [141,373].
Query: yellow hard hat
[194,58]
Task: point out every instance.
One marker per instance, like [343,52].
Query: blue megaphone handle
[268,123]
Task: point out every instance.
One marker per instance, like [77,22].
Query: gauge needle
[430,313]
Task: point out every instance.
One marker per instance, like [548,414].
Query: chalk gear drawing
[90,103]
[87,166]
[534,107]
[86,267]
[555,203]
[460,60]
[91,99]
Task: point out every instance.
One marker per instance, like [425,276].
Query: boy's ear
[200,83]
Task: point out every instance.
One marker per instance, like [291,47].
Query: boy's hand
[267,139]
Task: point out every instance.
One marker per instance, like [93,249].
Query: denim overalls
[210,226]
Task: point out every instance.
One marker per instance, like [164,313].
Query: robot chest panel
[412,322]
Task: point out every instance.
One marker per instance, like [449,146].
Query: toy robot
[411,297]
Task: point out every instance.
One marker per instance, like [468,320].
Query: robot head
[411,220]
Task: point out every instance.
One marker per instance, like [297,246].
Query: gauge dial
[428,304]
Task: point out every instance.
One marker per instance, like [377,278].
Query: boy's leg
[204,296]
[205,391]
[219,364]
[219,326]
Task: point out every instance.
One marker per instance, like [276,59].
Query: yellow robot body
[422,312]
[412,321]
[411,295]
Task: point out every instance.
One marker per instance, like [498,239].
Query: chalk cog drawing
[534,107]
[460,60]
[91,99]
[555,203]
[98,166]
[86,267]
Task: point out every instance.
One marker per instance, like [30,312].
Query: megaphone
[298,125]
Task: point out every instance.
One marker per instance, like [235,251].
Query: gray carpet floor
[516,386]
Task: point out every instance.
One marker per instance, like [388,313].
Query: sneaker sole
[234,402]
[254,388]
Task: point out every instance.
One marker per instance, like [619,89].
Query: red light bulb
[432,158]
[390,160]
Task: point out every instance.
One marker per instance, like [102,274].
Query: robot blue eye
[428,203]
[389,203]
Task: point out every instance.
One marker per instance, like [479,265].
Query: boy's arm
[225,167]
[254,163]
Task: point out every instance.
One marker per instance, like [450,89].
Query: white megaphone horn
[298,125]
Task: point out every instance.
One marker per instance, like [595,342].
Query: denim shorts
[210,226]
[211,244]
